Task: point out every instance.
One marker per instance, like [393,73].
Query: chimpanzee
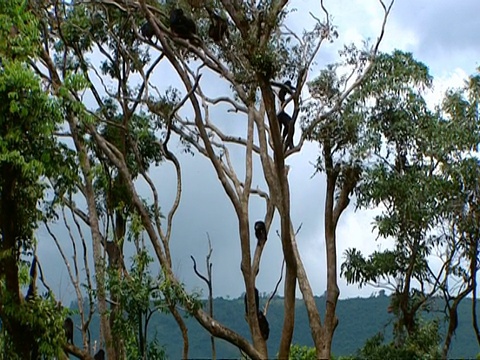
[147,31]
[218,28]
[181,25]
[32,290]
[284,89]
[263,324]
[262,320]
[257,302]
[68,328]
[114,254]
[285,121]
[260,232]
[100,355]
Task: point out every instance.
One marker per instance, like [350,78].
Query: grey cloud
[447,31]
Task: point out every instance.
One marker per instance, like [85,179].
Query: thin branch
[42,278]
[267,304]
[357,83]
[197,272]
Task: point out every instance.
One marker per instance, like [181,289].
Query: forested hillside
[359,319]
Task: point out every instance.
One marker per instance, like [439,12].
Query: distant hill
[359,319]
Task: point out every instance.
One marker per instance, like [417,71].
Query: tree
[28,119]
[116,139]
[419,181]
[421,345]
[401,186]
[462,169]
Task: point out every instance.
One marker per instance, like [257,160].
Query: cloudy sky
[442,33]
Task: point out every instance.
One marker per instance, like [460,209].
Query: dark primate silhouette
[100,355]
[147,31]
[218,28]
[181,25]
[285,122]
[263,324]
[262,320]
[284,89]
[32,290]
[260,232]
[68,327]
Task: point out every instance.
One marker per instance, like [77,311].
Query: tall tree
[28,120]
[419,180]
[460,109]
[254,59]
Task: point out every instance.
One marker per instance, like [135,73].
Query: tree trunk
[18,334]
[289,317]
[453,320]
[99,263]
[452,325]
[92,211]
[115,257]
[473,279]
[331,251]
[183,328]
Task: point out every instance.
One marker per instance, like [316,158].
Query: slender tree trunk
[452,324]
[289,318]
[333,211]
[210,297]
[333,293]
[473,277]
[115,256]
[409,313]
[310,304]
[99,263]
[141,335]
[9,234]
[331,252]
[474,313]
[453,313]
[281,190]
[183,328]
[258,341]
[18,334]
[92,212]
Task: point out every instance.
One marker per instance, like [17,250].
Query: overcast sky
[442,33]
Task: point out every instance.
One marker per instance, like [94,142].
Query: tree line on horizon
[356,326]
